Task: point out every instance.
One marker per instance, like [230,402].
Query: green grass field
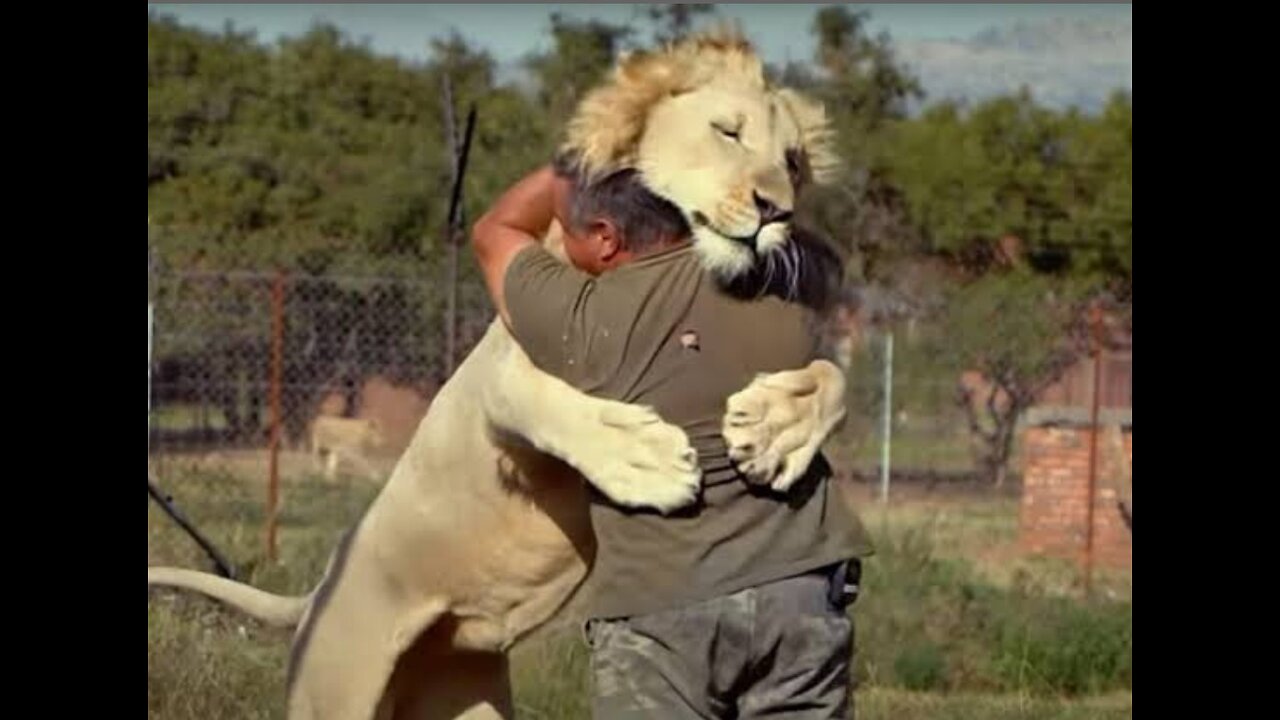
[953,623]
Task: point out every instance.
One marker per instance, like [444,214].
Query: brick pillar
[1053,515]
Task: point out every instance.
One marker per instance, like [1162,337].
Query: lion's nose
[769,212]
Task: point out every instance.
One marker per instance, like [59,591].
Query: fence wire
[373,345]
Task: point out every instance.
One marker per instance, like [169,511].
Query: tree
[315,156]
[866,91]
[673,21]
[314,153]
[864,81]
[1010,182]
[583,51]
[318,156]
[1020,330]
[1098,199]
[1061,182]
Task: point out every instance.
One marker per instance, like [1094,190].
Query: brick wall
[1053,517]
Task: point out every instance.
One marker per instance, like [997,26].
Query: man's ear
[608,238]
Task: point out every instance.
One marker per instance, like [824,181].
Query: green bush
[920,667]
[1061,646]
[935,625]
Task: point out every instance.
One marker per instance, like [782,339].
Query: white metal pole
[886,436]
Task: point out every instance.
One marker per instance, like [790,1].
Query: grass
[550,679]
[983,532]
[953,623]
[891,704]
[918,450]
[932,623]
[187,417]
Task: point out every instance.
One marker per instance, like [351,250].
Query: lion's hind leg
[435,681]
[345,659]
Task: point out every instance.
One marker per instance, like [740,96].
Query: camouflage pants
[782,649]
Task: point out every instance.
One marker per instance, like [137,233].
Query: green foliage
[920,666]
[864,83]
[1099,200]
[929,623]
[583,52]
[1061,182]
[1012,326]
[923,620]
[317,156]
[672,21]
[314,149]
[865,89]
[1021,330]
[315,152]
[1072,649]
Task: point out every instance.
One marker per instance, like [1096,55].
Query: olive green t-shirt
[660,332]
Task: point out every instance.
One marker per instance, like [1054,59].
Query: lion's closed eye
[733,133]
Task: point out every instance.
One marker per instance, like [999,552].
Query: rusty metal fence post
[277,371]
[1095,331]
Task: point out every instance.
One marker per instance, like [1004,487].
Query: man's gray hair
[643,219]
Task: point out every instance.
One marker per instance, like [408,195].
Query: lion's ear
[605,132]
[816,135]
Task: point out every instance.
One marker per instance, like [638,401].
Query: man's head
[615,219]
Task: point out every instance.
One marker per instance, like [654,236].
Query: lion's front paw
[638,460]
[774,429]
[755,420]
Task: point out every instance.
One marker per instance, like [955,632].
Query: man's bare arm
[516,220]
[625,451]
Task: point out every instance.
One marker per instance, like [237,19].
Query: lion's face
[728,155]
[706,132]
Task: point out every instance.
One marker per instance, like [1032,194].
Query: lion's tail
[278,610]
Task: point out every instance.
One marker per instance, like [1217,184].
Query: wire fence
[215,334]
[909,421]
[242,363]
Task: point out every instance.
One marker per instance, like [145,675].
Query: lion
[334,439]
[482,531]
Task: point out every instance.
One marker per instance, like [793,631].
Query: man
[732,607]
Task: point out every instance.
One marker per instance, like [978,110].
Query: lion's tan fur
[334,439]
[605,131]
[706,130]
[482,533]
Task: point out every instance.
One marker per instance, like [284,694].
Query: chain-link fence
[901,414]
[912,419]
[242,363]
[241,357]
[217,334]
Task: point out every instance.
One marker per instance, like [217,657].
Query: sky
[1069,54]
